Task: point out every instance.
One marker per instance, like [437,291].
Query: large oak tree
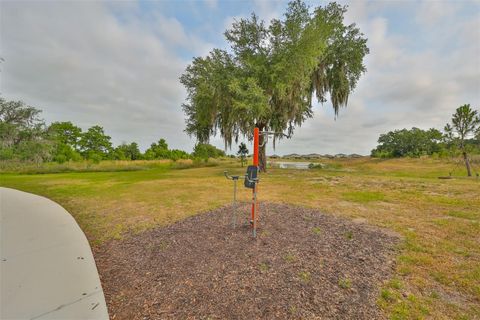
[270,75]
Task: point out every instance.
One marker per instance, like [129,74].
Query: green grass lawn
[438,265]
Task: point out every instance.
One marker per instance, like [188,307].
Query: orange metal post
[255,146]
[255,163]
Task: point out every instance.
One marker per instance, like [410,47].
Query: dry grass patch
[439,219]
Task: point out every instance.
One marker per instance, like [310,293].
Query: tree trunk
[262,154]
[467,164]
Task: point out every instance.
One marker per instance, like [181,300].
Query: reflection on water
[291,165]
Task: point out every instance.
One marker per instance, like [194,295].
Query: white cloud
[229,21]
[96,63]
[264,9]
[431,13]
[403,87]
[212,4]
[268,10]
[77,62]
[173,34]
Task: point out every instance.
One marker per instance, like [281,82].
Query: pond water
[291,165]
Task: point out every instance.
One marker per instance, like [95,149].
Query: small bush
[264,267]
[289,257]
[387,295]
[304,276]
[349,235]
[345,283]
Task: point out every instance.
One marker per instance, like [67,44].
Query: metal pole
[234,203]
[256,133]
[254,208]
[234,178]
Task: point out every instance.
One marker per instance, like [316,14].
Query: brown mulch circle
[303,265]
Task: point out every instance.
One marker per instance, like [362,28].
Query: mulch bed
[303,265]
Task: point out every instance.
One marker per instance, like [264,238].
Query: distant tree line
[24,136]
[409,143]
[460,137]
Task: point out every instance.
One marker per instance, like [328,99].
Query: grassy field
[438,266]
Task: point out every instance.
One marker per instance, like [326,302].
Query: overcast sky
[117,64]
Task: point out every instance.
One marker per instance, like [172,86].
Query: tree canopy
[128,152]
[65,136]
[22,132]
[242,152]
[408,143]
[465,124]
[205,151]
[66,133]
[25,137]
[160,151]
[95,144]
[270,74]
[18,122]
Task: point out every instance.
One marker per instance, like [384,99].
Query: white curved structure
[47,266]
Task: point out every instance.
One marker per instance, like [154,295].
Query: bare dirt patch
[304,264]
